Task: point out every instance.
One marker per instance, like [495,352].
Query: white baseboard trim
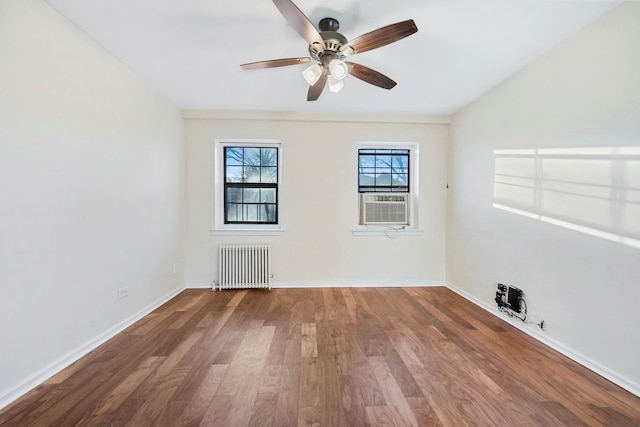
[199,285]
[297,285]
[39,377]
[532,331]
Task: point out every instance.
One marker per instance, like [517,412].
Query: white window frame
[414,193]
[220,228]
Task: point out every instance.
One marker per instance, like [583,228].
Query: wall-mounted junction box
[509,297]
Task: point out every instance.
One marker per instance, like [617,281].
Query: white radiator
[245,266]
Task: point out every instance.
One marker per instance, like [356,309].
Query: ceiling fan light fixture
[334,84]
[339,69]
[312,74]
[328,50]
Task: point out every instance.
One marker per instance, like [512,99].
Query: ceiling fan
[328,50]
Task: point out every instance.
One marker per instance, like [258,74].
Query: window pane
[367,161]
[234,174]
[399,179]
[269,157]
[250,213]
[366,179]
[234,195]
[251,195]
[268,195]
[251,156]
[383,179]
[400,162]
[232,212]
[233,156]
[252,174]
[383,161]
[268,213]
[269,175]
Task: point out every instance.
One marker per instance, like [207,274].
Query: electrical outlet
[123,292]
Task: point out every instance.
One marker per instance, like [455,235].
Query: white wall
[319,201]
[91,193]
[584,93]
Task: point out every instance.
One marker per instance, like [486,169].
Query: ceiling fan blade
[317,88]
[275,63]
[299,21]
[381,37]
[371,76]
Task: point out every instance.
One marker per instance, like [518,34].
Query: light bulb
[339,69]
[312,74]
[334,84]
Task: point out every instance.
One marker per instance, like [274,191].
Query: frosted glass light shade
[339,69]
[312,74]
[334,84]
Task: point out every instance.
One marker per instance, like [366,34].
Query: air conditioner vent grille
[381,209]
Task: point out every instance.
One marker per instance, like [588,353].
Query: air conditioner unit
[384,208]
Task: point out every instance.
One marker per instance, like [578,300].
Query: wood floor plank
[354,410]
[237,298]
[264,410]
[424,413]
[286,409]
[331,409]
[197,406]
[147,324]
[350,303]
[270,382]
[325,357]
[368,386]
[232,378]
[562,414]
[310,417]
[230,348]
[309,342]
[254,362]
[146,415]
[381,416]
[215,338]
[397,404]
[311,385]
[287,402]
[123,390]
[217,412]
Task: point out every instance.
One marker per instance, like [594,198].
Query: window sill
[247,231]
[391,232]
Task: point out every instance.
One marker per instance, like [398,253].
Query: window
[250,184]
[383,170]
[388,189]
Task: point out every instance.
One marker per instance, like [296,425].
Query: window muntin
[383,170]
[250,185]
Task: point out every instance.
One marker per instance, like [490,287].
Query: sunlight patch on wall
[592,190]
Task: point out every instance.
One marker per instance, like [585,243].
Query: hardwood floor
[323,357]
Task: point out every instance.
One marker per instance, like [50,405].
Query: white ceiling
[190,50]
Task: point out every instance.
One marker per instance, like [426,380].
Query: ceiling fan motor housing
[333,41]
